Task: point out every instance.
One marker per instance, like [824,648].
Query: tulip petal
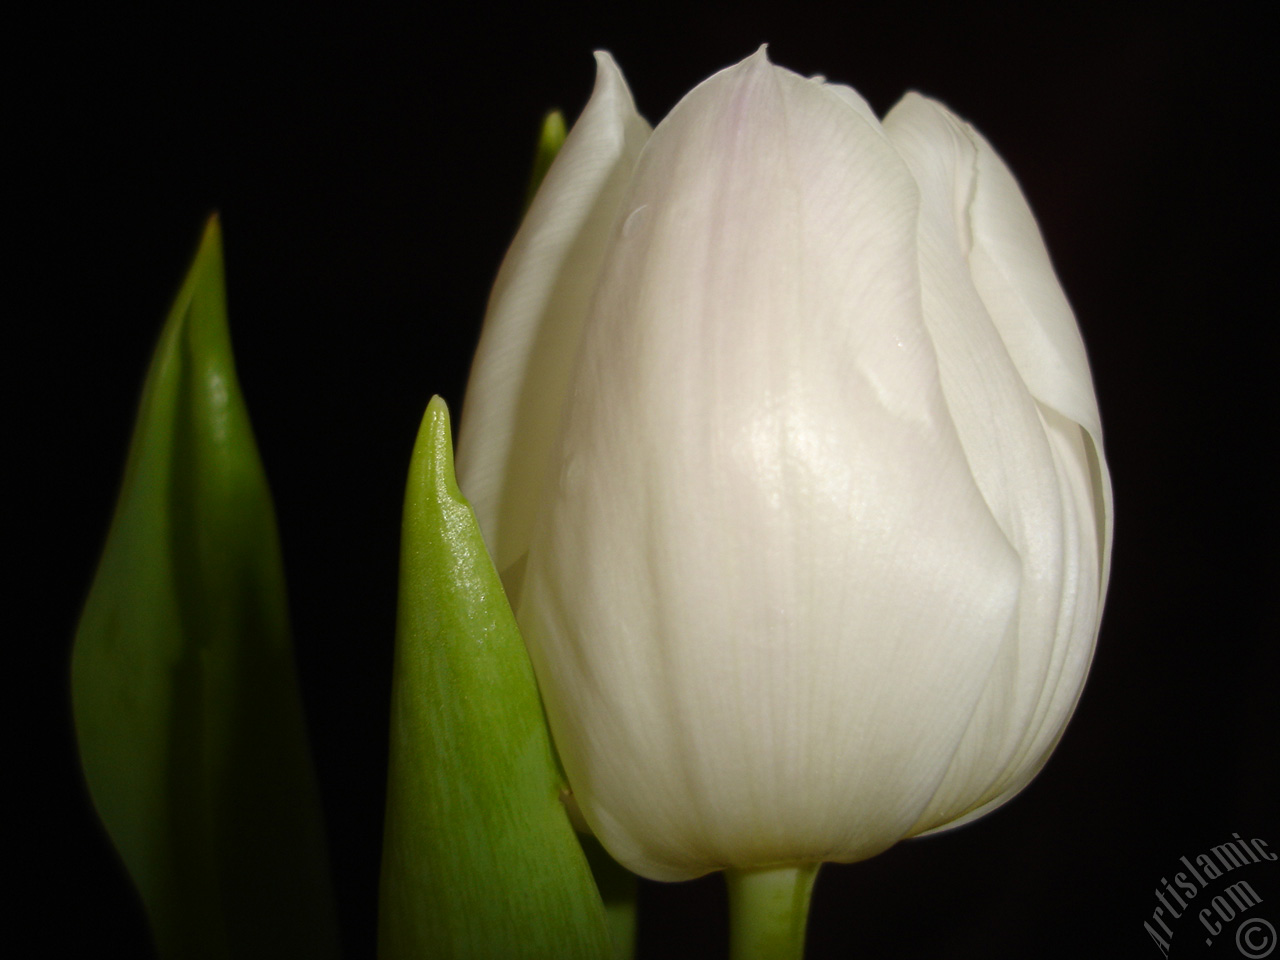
[1029,459]
[520,375]
[854,100]
[1013,273]
[764,579]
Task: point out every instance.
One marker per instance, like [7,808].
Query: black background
[369,173]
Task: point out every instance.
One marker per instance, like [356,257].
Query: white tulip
[782,435]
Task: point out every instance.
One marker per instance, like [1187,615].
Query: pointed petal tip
[759,59]
[910,100]
[605,64]
[610,79]
[913,100]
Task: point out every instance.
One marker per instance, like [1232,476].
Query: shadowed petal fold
[1028,458]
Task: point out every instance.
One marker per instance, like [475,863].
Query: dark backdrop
[370,173]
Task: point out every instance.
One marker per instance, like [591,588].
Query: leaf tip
[210,239]
[433,451]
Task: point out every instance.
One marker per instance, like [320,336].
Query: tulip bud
[782,435]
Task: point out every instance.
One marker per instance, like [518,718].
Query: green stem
[768,908]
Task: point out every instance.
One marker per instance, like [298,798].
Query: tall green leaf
[187,711]
[479,857]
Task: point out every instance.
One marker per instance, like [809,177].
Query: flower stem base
[768,907]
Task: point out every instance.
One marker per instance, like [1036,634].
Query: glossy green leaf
[550,140]
[187,710]
[479,857]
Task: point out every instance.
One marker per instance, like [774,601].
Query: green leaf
[550,140]
[186,705]
[479,857]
